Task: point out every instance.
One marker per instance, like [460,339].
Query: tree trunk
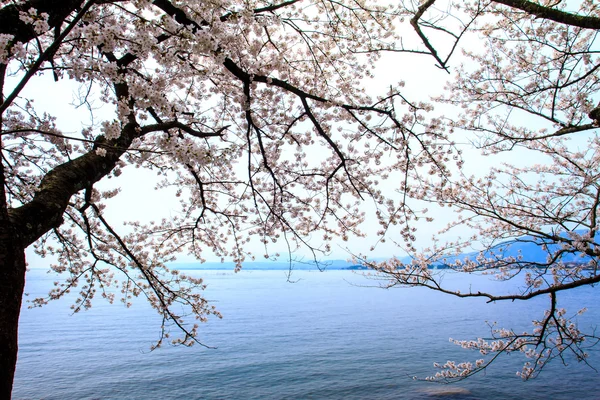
[12,283]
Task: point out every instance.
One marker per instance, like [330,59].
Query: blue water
[330,335]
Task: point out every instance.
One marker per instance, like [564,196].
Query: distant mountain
[266,265]
[530,248]
[356,267]
[527,246]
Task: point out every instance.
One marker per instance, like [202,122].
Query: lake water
[330,335]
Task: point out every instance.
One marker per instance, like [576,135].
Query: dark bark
[553,14]
[12,282]
[46,209]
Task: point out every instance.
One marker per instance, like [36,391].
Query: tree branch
[582,21]
[414,21]
[45,56]
[57,11]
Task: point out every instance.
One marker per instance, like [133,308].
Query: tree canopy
[260,115]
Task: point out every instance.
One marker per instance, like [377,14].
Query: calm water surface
[327,336]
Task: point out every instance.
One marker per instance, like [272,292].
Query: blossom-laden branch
[555,337]
[543,232]
[252,114]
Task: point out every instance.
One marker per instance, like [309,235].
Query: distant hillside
[530,248]
[265,265]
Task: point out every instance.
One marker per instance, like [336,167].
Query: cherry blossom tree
[258,114]
[529,89]
[255,111]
